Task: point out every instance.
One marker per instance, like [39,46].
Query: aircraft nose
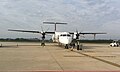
[68,40]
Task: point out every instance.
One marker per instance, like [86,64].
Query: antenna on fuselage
[55,23]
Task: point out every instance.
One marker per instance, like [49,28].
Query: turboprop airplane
[65,38]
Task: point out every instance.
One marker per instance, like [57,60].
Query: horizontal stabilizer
[53,23]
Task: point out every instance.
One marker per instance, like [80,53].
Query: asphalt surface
[17,56]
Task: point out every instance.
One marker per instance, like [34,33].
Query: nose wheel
[66,46]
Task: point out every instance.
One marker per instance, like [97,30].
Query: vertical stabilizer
[55,23]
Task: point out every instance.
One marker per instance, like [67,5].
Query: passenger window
[68,35]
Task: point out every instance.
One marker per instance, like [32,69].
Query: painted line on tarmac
[105,61]
[85,56]
[55,59]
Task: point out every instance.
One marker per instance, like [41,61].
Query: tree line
[38,40]
[22,40]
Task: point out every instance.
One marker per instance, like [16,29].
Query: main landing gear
[79,46]
[43,40]
[42,44]
[76,43]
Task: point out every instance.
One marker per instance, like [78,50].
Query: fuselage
[62,37]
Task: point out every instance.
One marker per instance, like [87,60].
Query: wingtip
[9,29]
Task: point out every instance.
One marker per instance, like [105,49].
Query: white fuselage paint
[62,37]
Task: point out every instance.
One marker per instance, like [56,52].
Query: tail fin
[55,23]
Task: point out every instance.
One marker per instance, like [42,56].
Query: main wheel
[42,44]
[81,47]
[78,47]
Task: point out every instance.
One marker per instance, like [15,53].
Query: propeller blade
[42,28]
[47,29]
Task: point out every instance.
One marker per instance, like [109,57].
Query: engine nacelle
[53,38]
[76,35]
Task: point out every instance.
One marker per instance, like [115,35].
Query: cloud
[86,15]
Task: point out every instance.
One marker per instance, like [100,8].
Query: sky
[83,15]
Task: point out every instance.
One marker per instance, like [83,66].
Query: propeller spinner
[43,33]
[76,35]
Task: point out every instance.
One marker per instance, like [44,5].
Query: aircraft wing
[87,33]
[83,33]
[50,32]
[92,33]
[31,31]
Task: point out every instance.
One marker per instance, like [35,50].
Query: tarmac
[30,56]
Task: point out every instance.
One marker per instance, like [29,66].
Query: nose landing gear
[66,46]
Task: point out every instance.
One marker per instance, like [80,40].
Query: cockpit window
[64,34]
[61,35]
